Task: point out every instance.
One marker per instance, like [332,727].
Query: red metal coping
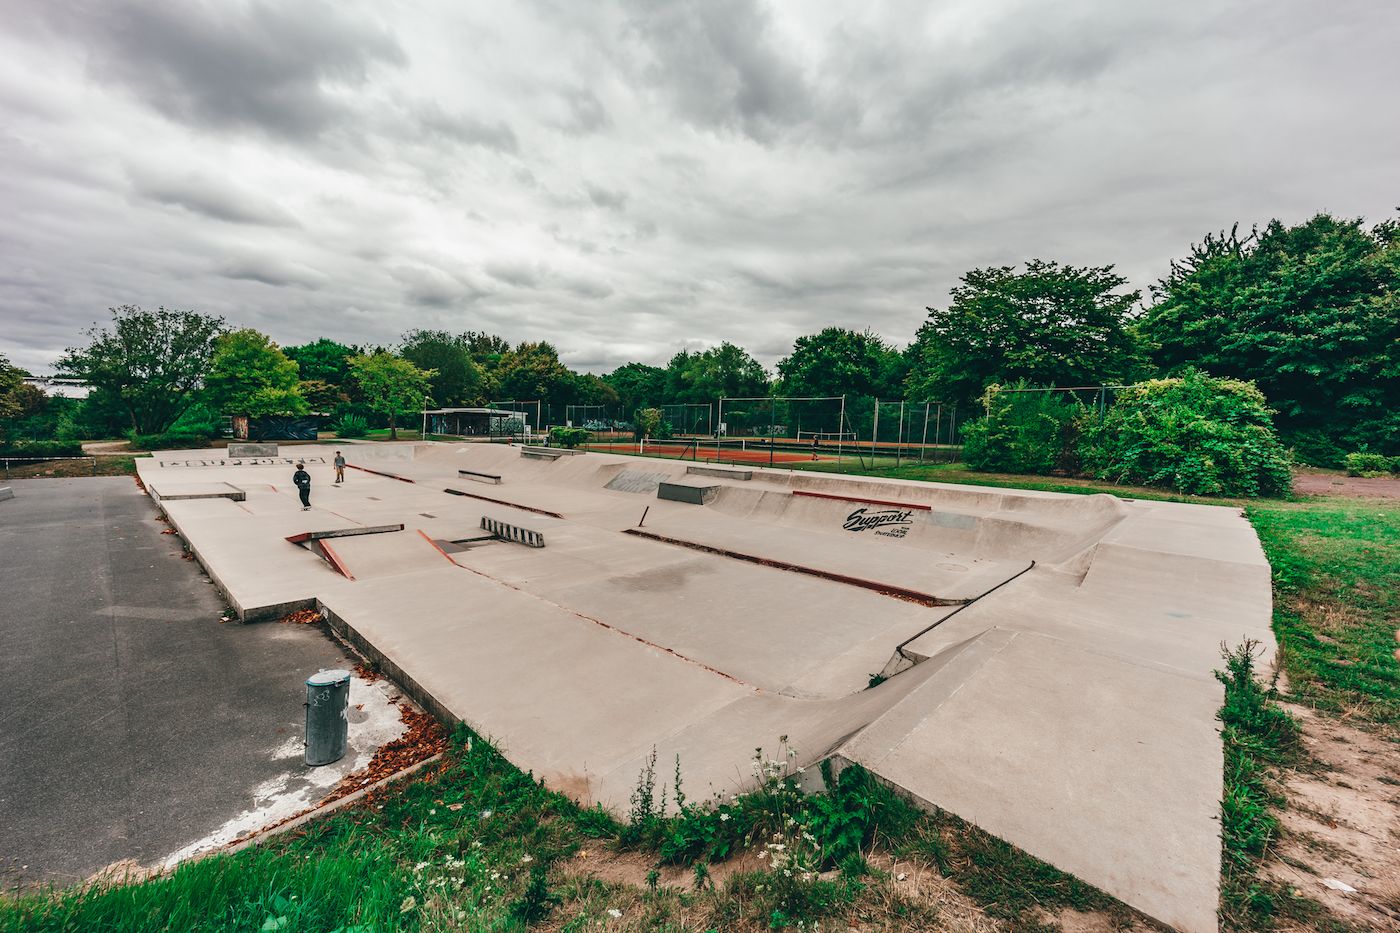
[886,589]
[898,505]
[402,479]
[333,559]
[514,505]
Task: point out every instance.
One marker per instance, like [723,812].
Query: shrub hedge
[43,449]
[1196,433]
[1366,463]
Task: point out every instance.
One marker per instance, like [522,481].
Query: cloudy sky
[626,178]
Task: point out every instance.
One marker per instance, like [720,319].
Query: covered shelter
[468,422]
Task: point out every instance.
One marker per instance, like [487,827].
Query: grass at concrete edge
[472,843]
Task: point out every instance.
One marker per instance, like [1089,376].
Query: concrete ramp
[373,557]
[1070,753]
[1047,657]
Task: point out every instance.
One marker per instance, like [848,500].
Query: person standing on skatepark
[303,482]
[339,467]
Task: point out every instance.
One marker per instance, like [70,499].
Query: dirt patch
[1339,484]
[891,880]
[1342,822]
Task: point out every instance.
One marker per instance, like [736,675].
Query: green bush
[168,441]
[351,426]
[1315,448]
[43,449]
[1024,432]
[1365,463]
[198,420]
[569,437]
[1196,433]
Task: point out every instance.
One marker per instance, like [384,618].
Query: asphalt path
[134,722]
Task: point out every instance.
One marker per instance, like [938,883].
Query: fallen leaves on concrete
[424,739]
[302,617]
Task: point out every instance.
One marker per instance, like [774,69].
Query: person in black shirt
[303,481]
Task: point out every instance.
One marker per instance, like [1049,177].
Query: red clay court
[727,454]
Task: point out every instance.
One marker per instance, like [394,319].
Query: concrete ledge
[6,493]
[176,491]
[492,478]
[343,532]
[725,472]
[549,453]
[252,450]
[684,492]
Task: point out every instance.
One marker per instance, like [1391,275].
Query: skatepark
[1039,664]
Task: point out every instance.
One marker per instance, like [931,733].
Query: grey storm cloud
[269,66]
[212,198]
[719,64]
[630,177]
[270,270]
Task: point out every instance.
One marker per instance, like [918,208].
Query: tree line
[1308,313]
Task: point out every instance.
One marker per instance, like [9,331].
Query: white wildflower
[616,914]
[723,817]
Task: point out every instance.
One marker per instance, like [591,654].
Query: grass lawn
[118,465]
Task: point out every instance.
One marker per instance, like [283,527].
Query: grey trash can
[327,699]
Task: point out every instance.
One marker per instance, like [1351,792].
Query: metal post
[874,434]
[952,432]
[718,422]
[327,699]
[923,442]
[772,420]
[840,432]
[899,437]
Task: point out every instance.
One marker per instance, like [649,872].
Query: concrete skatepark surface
[139,727]
[1048,658]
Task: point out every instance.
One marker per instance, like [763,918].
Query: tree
[726,371]
[250,376]
[12,385]
[457,382]
[1050,325]
[1310,313]
[482,346]
[841,362]
[325,360]
[391,385]
[638,385]
[321,395]
[532,372]
[153,362]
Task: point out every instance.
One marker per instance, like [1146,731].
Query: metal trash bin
[327,699]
